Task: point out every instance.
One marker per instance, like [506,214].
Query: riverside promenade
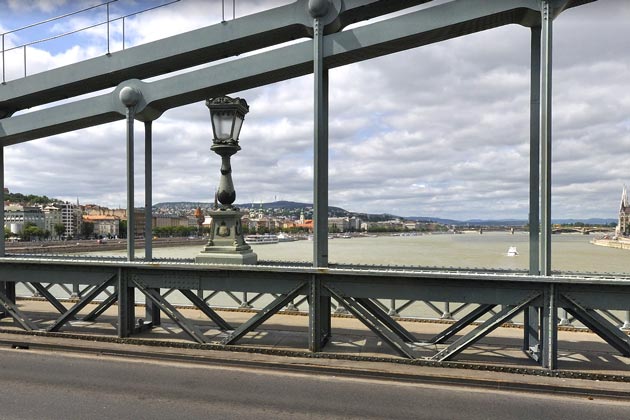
[622,243]
[587,366]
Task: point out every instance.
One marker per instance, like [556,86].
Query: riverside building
[623,226]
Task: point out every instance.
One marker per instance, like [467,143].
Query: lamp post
[226,244]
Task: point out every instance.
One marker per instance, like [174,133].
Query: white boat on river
[261,239]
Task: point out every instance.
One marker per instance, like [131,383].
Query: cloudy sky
[441,130]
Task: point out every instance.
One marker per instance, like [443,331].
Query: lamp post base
[230,257]
[226,244]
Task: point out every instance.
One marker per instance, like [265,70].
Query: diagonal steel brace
[598,324]
[12,309]
[203,307]
[372,322]
[70,313]
[461,324]
[102,307]
[387,320]
[266,313]
[172,313]
[42,290]
[506,313]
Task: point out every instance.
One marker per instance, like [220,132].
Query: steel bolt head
[318,8]
[129,96]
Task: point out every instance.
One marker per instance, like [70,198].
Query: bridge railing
[420,310]
[109,19]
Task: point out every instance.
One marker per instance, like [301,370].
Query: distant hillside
[294,207]
[283,207]
[29,199]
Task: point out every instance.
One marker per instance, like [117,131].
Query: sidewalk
[587,365]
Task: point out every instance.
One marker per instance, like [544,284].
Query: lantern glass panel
[238,123]
[222,122]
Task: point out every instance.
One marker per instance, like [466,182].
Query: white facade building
[17,216]
[71,218]
[52,217]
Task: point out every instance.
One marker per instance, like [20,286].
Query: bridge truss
[497,296]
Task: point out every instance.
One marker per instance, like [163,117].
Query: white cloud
[47,6]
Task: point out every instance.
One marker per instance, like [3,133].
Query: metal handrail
[107,22]
[32,25]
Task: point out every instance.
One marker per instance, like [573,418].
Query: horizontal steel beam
[396,34]
[215,42]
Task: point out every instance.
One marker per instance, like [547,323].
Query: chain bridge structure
[486,299]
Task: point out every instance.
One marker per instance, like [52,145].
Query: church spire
[624,198]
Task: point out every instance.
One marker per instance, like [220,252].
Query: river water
[570,252]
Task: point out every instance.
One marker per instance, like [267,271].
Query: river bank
[65,247]
[612,243]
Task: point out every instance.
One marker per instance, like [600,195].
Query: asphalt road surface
[47,385]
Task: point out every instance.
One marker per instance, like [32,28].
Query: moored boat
[261,239]
[283,237]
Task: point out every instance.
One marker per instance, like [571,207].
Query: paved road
[44,385]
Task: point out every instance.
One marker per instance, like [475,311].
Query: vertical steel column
[108,51]
[148,190]
[534,154]
[76,291]
[319,306]
[3,65]
[320,165]
[130,97]
[319,326]
[531,328]
[2,238]
[545,136]
[550,328]
[152,311]
[550,308]
[126,305]
[131,219]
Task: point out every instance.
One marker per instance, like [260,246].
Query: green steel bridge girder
[423,27]
[200,46]
[356,289]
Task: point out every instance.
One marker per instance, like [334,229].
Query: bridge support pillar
[126,305]
[130,97]
[545,135]
[319,327]
[534,154]
[148,190]
[320,164]
[549,323]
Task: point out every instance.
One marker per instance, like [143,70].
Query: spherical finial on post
[318,8]
[129,96]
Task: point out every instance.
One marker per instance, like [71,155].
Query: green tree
[122,228]
[87,230]
[59,229]
[31,231]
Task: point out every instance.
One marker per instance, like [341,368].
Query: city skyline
[400,142]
